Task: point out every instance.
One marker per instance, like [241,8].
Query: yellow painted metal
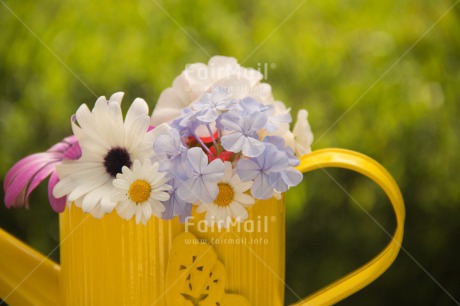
[194,273]
[253,253]
[112,261]
[26,276]
[363,276]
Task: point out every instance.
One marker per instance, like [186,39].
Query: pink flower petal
[59,147]
[58,205]
[15,193]
[74,152]
[20,182]
[19,176]
[39,177]
[19,200]
[22,164]
[30,171]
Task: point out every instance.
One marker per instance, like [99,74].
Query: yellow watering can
[116,262]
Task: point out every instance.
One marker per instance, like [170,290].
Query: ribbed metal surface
[111,261]
[254,260]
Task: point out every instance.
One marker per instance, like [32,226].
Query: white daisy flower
[140,191]
[231,202]
[108,144]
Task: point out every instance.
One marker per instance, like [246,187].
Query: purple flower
[172,153]
[30,171]
[250,106]
[289,177]
[274,121]
[212,104]
[175,206]
[280,144]
[187,123]
[244,135]
[260,168]
[202,185]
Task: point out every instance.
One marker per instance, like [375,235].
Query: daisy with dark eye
[108,144]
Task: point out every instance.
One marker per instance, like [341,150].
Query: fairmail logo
[260,224]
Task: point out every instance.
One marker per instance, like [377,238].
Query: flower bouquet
[217,139]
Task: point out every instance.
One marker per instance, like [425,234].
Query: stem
[201,143]
[212,136]
[219,148]
[236,157]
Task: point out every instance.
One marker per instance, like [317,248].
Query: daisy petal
[161,196]
[97,212]
[244,199]
[119,196]
[156,205]
[58,205]
[239,211]
[91,200]
[117,97]
[138,214]
[147,211]
[107,204]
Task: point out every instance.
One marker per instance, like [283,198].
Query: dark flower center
[116,159]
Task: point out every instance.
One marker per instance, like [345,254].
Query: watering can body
[114,261]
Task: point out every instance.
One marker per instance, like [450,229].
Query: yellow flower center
[139,191]
[225,196]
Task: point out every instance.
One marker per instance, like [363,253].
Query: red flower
[224,156]
[190,141]
[209,139]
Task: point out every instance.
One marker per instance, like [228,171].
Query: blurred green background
[389,70]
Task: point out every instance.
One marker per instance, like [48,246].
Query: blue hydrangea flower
[289,177]
[274,121]
[243,136]
[202,184]
[260,168]
[280,144]
[175,206]
[250,106]
[212,104]
[187,123]
[172,154]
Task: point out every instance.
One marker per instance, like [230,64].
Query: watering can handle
[26,276]
[366,274]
